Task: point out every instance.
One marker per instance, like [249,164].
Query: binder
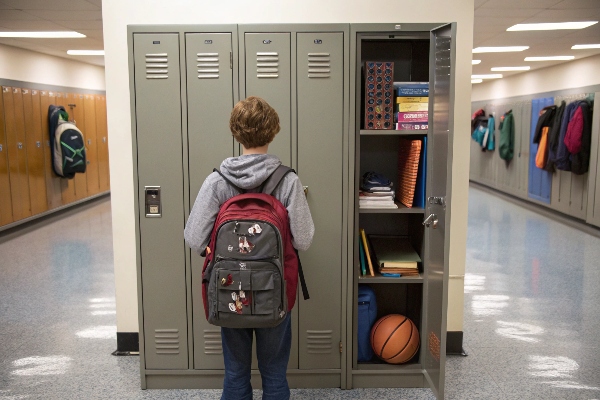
[367,254]
[394,254]
[363,261]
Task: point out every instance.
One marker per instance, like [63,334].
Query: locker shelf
[402,209]
[409,368]
[382,279]
[392,132]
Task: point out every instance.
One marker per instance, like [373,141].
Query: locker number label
[153,209]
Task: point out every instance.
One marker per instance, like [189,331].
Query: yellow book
[401,99]
[409,107]
[363,235]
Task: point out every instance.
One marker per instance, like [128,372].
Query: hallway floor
[531,313]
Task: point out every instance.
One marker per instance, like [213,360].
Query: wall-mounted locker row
[560,190]
[28,186]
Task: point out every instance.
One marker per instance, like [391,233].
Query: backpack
[66,144]
[250,276]
[367,315]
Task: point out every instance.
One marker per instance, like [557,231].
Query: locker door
[77,116]
[35,151]
[441,76]
[320,86]
[593,203]
[5,198]
[160,163]
[17,153]
[210,100]
[268,75]
[67,186]
[91,144]
[102,140]
[540,181]
[52,181]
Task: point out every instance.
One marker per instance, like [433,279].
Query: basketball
[395,339]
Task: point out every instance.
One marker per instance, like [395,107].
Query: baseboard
[454,343]
[128,344]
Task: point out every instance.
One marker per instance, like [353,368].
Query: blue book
[363,258]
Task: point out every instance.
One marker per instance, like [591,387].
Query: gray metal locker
[210,98]
[320,94]
[593,203]
[268,75]
[158,152]
[422,298]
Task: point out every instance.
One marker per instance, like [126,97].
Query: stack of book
[409,153]
[376,192]
[412,105]
[394,255]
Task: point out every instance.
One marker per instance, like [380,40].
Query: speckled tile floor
[530,328]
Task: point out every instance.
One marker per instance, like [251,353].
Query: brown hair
[253,122]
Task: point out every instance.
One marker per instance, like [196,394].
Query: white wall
[29,66]
[569,75]
[116,17]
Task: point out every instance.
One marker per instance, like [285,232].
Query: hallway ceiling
[492,18]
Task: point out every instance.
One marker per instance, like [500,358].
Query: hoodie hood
[249,171]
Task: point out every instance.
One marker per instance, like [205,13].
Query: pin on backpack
[250,276]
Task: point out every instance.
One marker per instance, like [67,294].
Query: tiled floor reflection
[530,328]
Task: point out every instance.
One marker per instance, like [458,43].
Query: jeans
[273,351]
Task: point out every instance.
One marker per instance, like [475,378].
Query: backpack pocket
[249,294]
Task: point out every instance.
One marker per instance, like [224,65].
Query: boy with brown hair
[254,124]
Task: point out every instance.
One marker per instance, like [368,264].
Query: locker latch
[153,206]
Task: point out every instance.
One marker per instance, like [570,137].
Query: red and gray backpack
[250,276]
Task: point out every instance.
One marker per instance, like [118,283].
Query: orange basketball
[395,339]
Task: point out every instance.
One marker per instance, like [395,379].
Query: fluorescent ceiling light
[526,68]
[486,76]
[45,35]
[551,26]
[85,52]
[585,46]
[476,80]
[475,62]
[500,49]
[553,58]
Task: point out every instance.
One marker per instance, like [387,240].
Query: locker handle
[305,188]
[19,145]
[38,144]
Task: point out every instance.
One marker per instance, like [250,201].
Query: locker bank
[86,258]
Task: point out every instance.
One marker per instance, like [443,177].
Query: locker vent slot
[212,342]
[157,66]
[319,342]
[166,341]
[208,65]
[319,65]
[267,65]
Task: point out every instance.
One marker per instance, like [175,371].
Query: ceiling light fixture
[487,76]
[499,49]
[44,35]
[476,80]
[585,46]
[475,62]
[552,58]
[497,69]
[85,52]
[551,26]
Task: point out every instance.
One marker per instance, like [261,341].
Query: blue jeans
[273,351]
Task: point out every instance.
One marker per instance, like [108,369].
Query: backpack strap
[275,178]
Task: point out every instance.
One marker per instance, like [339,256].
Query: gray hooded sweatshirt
[248,172]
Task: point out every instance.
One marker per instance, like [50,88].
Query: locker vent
[166,341]
[212,342]
[208,65]
[319,342]
[319,65]
[157,66]
[267,65]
